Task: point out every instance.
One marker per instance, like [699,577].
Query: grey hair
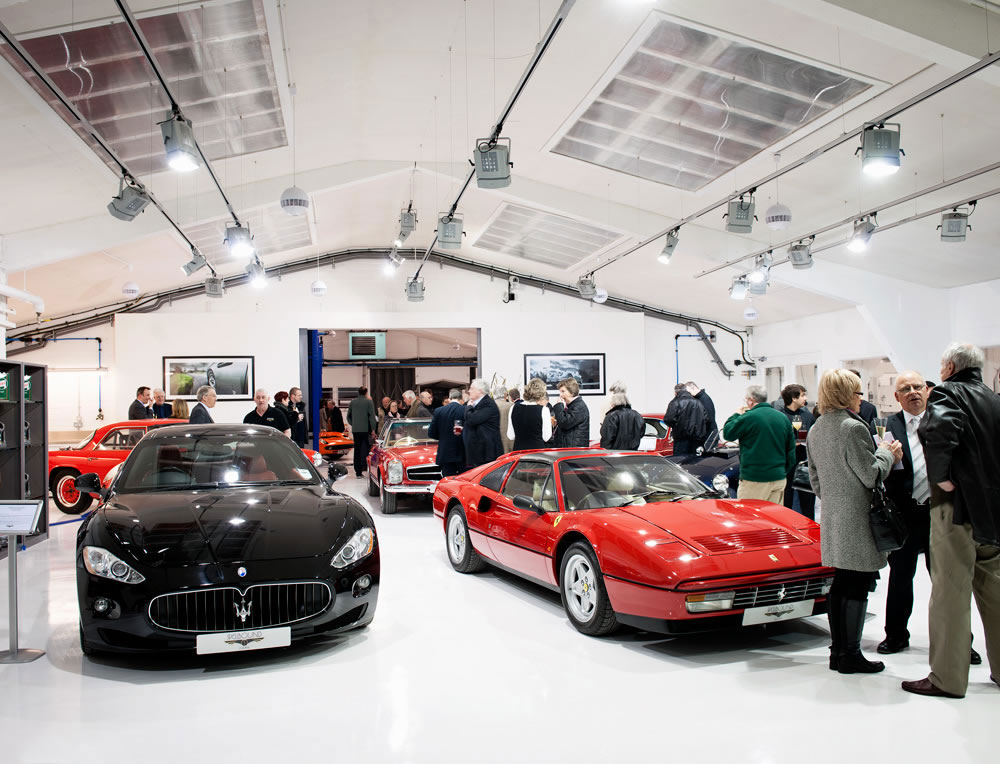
[454,394]
[618,392]
[480,385]
[757,393]
[409,395]
[158,390]
[964,356]
[203,391]
[259,391]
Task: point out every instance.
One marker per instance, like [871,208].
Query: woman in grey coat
[844,468]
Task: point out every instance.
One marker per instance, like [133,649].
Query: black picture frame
[587,368]
[232,376]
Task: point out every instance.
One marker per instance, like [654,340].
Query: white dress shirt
[921,489]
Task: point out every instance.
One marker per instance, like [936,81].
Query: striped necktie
[921,490]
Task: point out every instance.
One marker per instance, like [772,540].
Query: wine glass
[880,425]
[796,423]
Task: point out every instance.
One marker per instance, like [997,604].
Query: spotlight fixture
[130,290]
[214,287]
[759,275]
[800,256]
[668,247]
[239,241]
[258,277]
[294,201]
[407,222]
[415,289]
[778,217]
[180,145]
[317,288]
[393,263]
[740,217]
[450,231]
[586,287]
[600,296]
[880,150]
[129,202]
[954,224]
[508,294]
[738,291]
[750,313]
[398,241]
[197,262]
[492,161]
[863,229]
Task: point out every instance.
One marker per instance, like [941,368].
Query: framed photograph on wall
[230,375]
[586,368]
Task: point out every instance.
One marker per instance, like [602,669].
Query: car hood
[227,525]
[721,526]
[413,455]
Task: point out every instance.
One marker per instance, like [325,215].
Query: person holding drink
[795,405]
[446,428]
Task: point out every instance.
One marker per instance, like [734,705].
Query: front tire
[388,501]
[64,493]
[584,595]
[461,555]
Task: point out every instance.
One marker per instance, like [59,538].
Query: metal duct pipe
[19,294]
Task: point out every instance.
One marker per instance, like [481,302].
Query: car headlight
[358,546]
[394,474]
[705,603]
[317,459]
[721,484]
[102,563]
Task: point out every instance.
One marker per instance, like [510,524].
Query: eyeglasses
[911,389]
[859,393]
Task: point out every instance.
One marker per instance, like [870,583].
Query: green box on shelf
[27,388]
[4,387]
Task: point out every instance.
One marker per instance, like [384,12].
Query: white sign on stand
[17,518]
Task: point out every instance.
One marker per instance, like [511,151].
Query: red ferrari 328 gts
[630,538]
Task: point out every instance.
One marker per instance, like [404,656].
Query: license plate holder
[243,639]
[780,611]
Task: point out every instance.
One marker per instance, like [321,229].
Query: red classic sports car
[334,444]
[99,452]
[402,461]
[631,538]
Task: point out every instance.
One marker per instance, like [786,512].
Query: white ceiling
[381,86]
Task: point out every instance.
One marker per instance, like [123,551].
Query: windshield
[83,442]
[207,461]
[408,434]
[617,481]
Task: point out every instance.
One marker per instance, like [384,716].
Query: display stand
[17,518]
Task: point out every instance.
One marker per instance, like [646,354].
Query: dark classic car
[221,538]
[718,468]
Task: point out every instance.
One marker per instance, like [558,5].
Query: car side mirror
[525,502]
[89,483]
[336,472]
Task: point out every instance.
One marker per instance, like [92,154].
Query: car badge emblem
[773,557]
[241,572]
[244,611]
[782,594]
[556,521]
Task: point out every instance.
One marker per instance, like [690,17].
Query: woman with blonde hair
[844,468]
[180,409]
[530,422]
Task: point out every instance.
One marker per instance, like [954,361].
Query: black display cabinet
[24,439]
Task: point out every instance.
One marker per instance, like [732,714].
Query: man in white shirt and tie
[910,492]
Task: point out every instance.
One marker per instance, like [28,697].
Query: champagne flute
[880,425]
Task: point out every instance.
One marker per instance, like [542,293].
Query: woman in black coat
[623,426]
[481,432]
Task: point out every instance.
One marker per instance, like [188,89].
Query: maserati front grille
[229,609]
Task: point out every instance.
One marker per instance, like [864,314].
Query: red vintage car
[335,444]
[402,460]
[105,448]
[631,538]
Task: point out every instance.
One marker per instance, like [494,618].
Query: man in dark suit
[910,492]
[867,411]
[206,399]
[451,449]
[140,408]
[481,426]
[161,409]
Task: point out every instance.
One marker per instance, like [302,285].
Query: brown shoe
[926,687]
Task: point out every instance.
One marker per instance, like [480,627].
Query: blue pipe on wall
[100,412]
[677,353]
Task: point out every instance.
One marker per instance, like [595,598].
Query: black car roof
[172,431]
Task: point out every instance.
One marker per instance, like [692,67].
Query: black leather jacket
[622,429]
[961,437]
[687,418]
[572,424]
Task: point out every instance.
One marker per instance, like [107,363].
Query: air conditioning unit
[366,346]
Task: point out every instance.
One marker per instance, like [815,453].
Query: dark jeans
[902,569]
[362,445]
[451,468]
[851,584]
[807,500]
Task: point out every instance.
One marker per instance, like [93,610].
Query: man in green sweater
[767,447]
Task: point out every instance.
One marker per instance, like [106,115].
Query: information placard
[19,517]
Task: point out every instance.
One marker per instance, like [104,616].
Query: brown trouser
[960,567]
[773,491]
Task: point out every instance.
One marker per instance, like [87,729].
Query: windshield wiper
[177,487]
[636,497]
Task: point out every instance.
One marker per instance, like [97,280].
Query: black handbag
[886,521]
[800,477]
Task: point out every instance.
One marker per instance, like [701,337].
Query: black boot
[851,661]
[835,615]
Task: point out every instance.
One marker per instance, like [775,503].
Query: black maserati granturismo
[221,538]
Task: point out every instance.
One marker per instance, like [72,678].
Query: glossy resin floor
[473,668]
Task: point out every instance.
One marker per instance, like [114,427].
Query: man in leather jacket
[572,417]
[687,420]
[961,438]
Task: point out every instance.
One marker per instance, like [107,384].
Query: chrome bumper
[404,488]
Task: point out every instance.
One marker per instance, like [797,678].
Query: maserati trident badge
[243,610]
[241,572]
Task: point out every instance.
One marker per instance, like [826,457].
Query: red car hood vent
[720,543]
